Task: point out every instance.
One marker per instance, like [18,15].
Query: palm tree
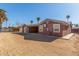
[71,24]
[68,16]
[31,21]
[2,17]
[38,19]
[6,22]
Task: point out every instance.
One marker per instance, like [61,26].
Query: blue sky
[23,13]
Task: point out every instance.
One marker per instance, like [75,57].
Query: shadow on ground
[38,37]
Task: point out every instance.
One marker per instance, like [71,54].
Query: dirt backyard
[15,45]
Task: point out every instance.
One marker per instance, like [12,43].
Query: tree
[6,22]
[38,19]
[2,17]
[76,25]
[71,24]
[68,16]
[31,21]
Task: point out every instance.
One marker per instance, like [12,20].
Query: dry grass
[15,45]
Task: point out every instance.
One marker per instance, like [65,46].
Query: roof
[21,25]
[33,25]
[53,20]
[29,25]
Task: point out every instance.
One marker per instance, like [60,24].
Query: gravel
[16,45]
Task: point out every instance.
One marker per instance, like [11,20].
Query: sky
[23,13]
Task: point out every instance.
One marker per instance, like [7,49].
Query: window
[56,28]
[44,25]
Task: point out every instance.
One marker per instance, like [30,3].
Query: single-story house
[5,29]
[10,29]
[54,27]
[24,28]
[75,30]
[33,28]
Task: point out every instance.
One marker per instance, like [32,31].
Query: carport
[33,28]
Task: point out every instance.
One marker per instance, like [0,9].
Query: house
[5,29]
[75,29]
[54,27]
[24,28]
[10,29]
[33,28]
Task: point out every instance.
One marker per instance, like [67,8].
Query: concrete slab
[68,36]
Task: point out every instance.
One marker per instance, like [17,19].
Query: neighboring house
[10,29]
[54,27]
[75,30]
[4,29]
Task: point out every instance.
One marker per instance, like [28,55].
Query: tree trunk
[0,26]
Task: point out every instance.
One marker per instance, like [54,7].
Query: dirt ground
[15,45]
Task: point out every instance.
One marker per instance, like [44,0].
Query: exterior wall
[66,30]
[10,29]
[48,30]
[75,30]
[24,29]
[20,29]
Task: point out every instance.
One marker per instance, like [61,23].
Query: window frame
[56,26]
